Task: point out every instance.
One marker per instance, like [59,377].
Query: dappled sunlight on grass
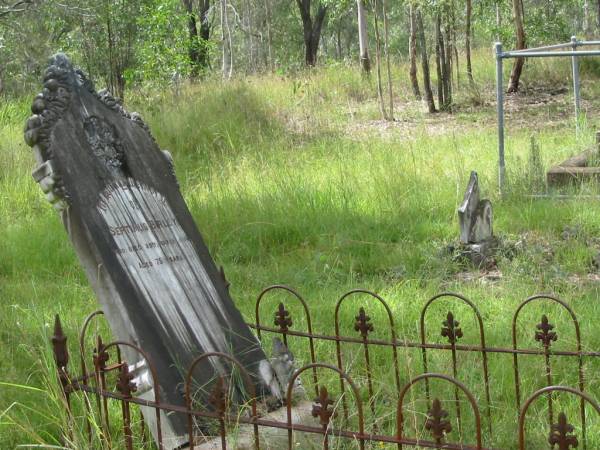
[295,180]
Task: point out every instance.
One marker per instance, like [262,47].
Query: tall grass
[295,180]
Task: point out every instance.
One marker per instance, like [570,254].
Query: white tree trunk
[498,20]
[248,16]
[227,60]
[587,29]
[386,34]
[363,39]
[382,107]
[269,37]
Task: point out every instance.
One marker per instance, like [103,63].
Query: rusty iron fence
[372,380]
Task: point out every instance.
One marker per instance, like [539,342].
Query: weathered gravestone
[142,253]
[475,218]
[474,215]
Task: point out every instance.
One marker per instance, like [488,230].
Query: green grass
[295,180]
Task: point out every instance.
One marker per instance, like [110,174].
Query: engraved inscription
[142,236]
[161,262]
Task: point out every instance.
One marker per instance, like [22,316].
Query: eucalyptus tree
[444,48]
[226,42]
[199,28]
[468,15]
[424,62]
[363,36]
[515,75]
[109,35]
[386,46]
[412,51]
[313,18]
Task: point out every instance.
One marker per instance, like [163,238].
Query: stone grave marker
[475,218]
[135,237]
[475,215]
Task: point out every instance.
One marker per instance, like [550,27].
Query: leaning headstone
[475,215]
[135,238]
[475,218]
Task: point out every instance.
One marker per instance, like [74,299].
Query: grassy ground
[295,180]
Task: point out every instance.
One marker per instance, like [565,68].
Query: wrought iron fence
[399,422]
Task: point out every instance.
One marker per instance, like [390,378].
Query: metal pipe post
[575,64]
[500,111]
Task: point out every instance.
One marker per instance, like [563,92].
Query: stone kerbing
[576,168]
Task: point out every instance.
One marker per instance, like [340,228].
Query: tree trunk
[412,49]
[363,36]
[203,61]
[499,20]
[388,64]
[269,35]
[456,61]
[468,42]
[197,48]
[452,39]
[193,45]
[249,37]
[226,62]
[439,59]
[312,30]
[447,73]
[425,63]
[587,30]
[382,108]
[515,75]
[325,47]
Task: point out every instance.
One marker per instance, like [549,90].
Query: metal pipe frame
[537,52]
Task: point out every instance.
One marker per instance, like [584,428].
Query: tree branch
[238,22]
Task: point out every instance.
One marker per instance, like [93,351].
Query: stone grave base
[482,254]
[584,166]
[242,438]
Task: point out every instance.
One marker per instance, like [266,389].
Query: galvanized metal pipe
[530,54]
[500,112]
[575,64]
[545,47]
[582,43]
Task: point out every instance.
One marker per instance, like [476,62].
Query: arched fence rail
[356,402]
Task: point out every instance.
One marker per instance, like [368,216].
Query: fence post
[575,64]
[500,111]
[61,358]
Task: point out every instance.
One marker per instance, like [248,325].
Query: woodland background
[128,43]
